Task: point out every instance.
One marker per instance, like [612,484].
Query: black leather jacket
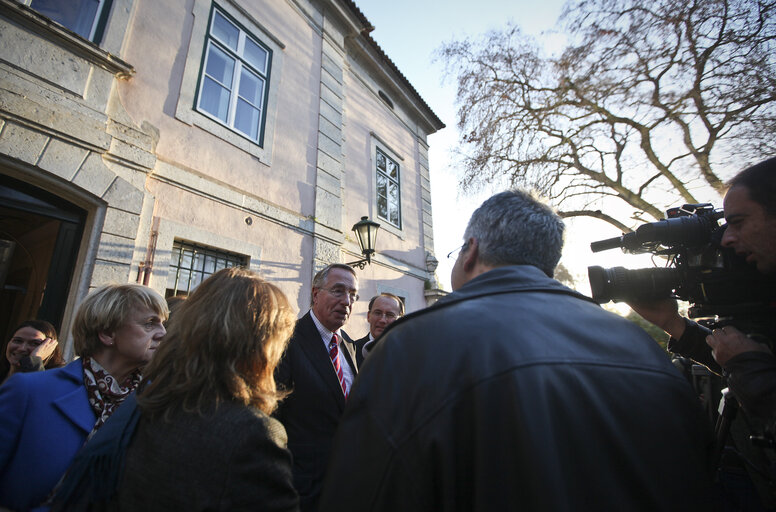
[517,393]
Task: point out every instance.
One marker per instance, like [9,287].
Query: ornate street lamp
[366,233]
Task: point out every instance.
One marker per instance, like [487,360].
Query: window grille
[190,264]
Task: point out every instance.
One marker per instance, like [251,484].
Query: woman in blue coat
[45,417]
[199,436]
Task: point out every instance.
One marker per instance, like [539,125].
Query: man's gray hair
[517,228]
[320,278]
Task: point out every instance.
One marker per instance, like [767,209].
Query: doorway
[40,234]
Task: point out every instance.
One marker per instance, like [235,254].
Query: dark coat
[360,349]
[312,412]
[44,420]
[516,393]
[232,458]
[751,378]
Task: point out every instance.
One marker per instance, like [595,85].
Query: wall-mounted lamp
[366,233]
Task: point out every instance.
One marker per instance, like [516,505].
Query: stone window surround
[169,231]
[240,63]
[376,142]
[186,107]
[231,259]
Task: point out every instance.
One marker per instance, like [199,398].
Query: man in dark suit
[384,309]
[318,367]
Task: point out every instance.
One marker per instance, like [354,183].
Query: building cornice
[373,50]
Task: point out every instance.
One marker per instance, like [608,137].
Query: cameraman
[750,212]
[750,366]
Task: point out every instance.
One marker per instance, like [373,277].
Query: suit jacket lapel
[350,352]
[314,349]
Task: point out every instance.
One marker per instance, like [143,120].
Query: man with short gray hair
[515,392]
[318,369]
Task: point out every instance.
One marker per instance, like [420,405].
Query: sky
[410,32]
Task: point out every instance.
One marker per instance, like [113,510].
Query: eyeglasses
[454,253]
[389,315]
[340,293]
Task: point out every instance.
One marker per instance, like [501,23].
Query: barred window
[388,190]
[190,264]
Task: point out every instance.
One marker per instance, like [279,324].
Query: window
[388,190]
[190,264]
[86,18]
[234,78]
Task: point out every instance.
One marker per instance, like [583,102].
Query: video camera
[719,284]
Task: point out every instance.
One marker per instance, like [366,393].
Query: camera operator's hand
[664,313]
[727,342]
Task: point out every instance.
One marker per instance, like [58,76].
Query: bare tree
[650,104]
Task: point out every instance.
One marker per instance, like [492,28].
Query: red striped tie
[334,355]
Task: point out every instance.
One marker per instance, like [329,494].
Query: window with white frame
[388,188]
[86,18]
[234,77]
[190,264]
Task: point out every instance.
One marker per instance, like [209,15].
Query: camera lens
[619,284]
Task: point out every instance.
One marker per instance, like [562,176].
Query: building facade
[156,142]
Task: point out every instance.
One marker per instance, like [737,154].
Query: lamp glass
[366,232]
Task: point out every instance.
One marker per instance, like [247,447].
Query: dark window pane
[199,261]
[214,99]
[225,31]
[393,192]
[255,55]
[380,161]
[220,66]
[251,87]
[210,264]
[247,119]
[172,277]
[382,207]
[393,170]
[186,258]
[76,15]
[196,279]
[394,218]
[183,280]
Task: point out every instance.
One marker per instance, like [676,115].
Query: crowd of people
[512,392]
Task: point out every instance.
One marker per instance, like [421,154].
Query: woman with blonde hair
[199,436]
[45,417]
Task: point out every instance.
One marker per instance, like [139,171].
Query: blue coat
[44,420]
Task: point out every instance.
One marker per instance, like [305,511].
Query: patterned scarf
[104,392]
